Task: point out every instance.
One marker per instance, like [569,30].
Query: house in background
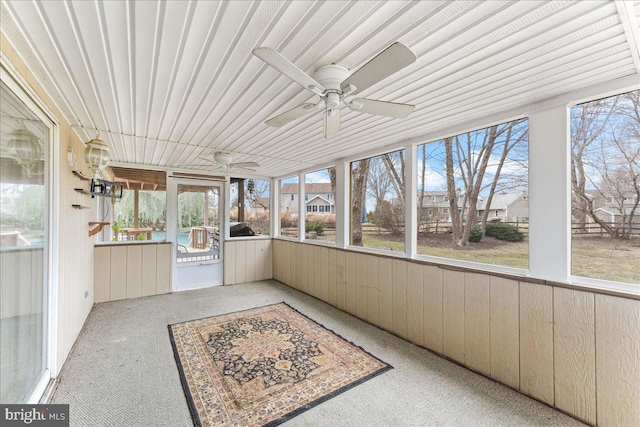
[319,198]
[505,207]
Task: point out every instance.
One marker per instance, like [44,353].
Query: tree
[359,175]
[606,161]
[467,160]
[588,123]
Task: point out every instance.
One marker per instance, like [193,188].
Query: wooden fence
[595,229]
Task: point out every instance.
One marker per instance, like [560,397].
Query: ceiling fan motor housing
[222,158]
[331,77]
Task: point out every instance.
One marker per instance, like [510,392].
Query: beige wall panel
[276,250]
[134,271]
[268,269]
[304,267]
[241,261]
[477,349]
[285,262]
[618,361]
[536,341]
[332,277]
[385,295]
[102,274]
[149,270]
[415,303]
[229,261]
[361,285]
[350,267]
[399,297]
[453,315]
[324,274]
[164,265]
[261,259]
[299,271]
[432,303]
[505,331]
[341,280]
[372,290]
[317,271]
[311,281]
[250,260]
[118,273]
[574,353]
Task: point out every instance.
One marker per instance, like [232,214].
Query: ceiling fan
[224,161]
[334,83]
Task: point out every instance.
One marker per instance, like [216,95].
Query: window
[320,224]
[377,202]
[288,207]
[250,204]
[605,215]
[152,215]
[489,175]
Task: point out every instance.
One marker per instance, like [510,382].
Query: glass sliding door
[24,145]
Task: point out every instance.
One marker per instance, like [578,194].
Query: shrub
[501,231]
[316,226]
[476,234]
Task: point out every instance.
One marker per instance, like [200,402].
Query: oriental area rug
[264,366]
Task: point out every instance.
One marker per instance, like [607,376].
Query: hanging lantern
[24,147]
[251,186]
[96,154]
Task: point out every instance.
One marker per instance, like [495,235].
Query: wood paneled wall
[127,271]
[575,350]
[247,261]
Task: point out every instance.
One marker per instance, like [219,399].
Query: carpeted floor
[122,370]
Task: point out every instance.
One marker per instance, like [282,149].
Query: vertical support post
[410,201]
[136,200]
[343,204]
[240,200]
[205,216]
[302,207]
[549,194]
[274,204]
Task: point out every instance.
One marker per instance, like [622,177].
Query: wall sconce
[96,154]
[71,158]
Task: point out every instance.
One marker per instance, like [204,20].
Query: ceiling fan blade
[392,59]
[282,64]
[291,115]
[331,122]
[245,165]
[207,160]
[382,108]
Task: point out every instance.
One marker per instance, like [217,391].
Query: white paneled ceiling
[170,82]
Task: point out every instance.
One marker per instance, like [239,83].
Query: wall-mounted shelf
[80,207]
[81,176]
[98,227]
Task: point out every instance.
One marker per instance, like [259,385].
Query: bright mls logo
[34,415]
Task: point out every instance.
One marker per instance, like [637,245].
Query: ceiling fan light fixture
[223,159]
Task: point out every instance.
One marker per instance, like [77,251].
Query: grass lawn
[596,257]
